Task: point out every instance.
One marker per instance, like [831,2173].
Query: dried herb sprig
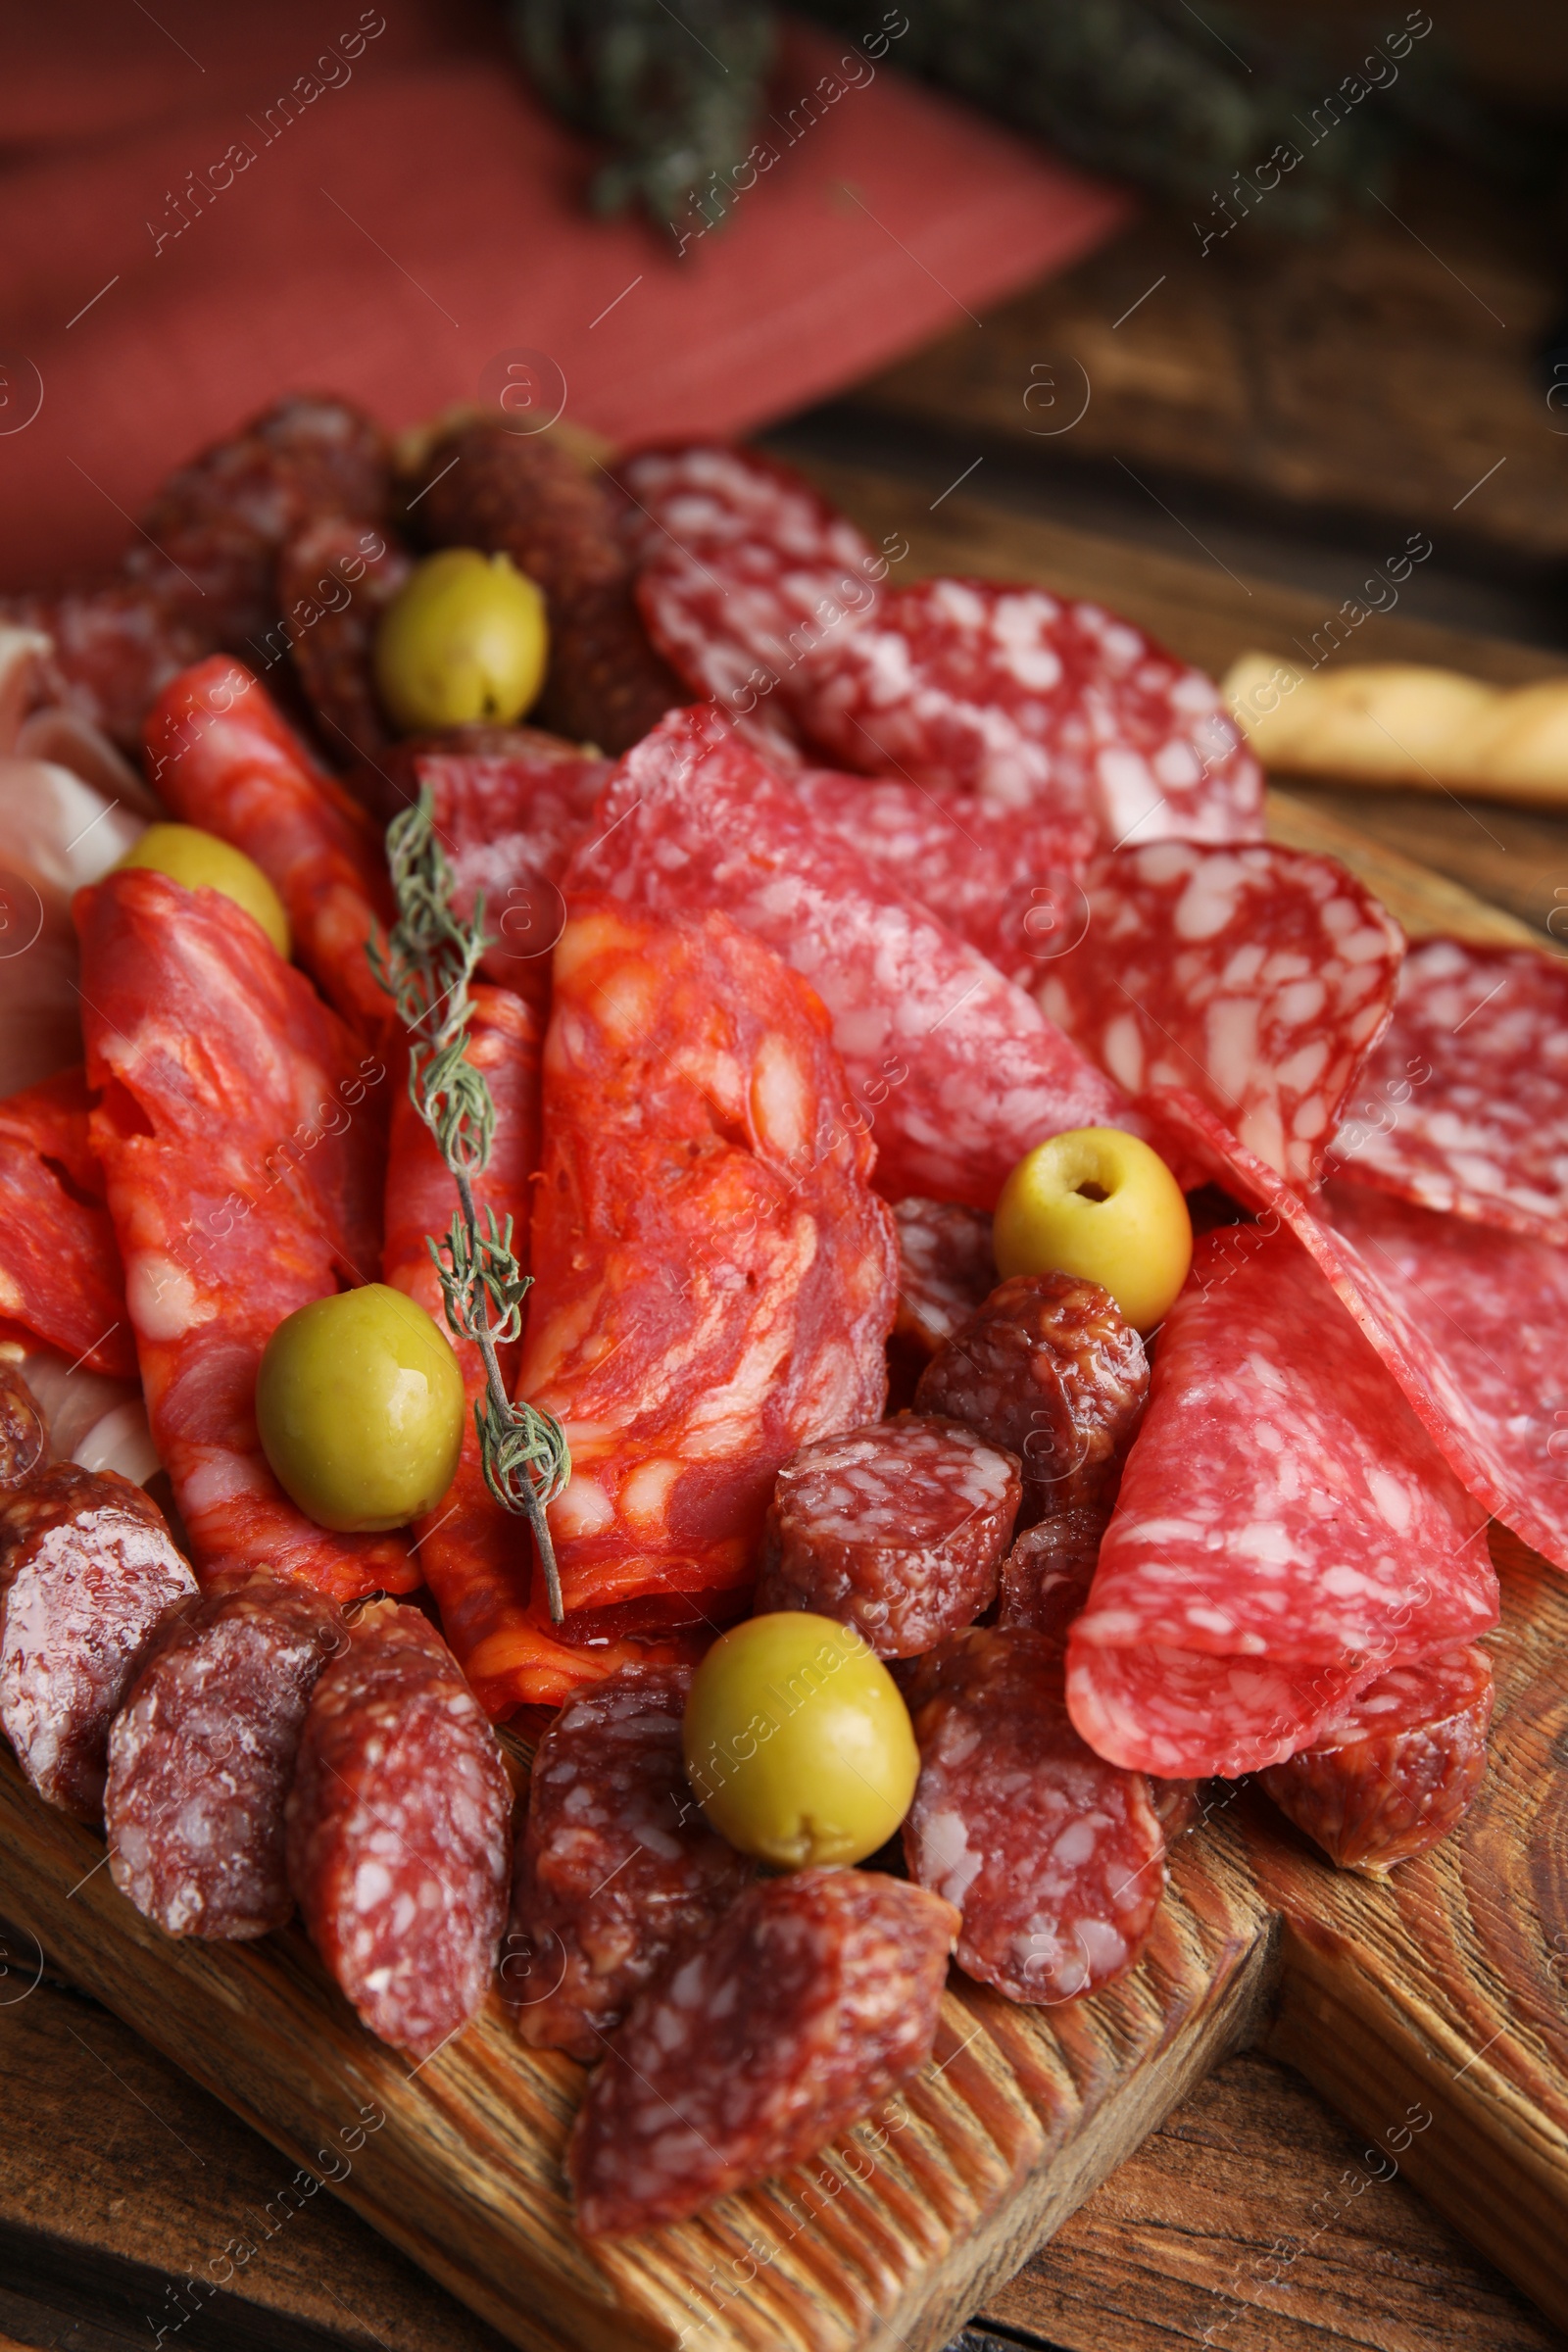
[426,967]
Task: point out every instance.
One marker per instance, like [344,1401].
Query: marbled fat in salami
[398,1831]
[335,578]
[87,1569]
[1396,1767]
[1050,1369]
[202,1753]
[1464,1104]
[947,1268]
[957,1072]
[223,757]
[1259,978]
[1054,1858]
[617,1870]
[896,1530]
[239,1132]
[714,1279]
[1284,1530]
[61,1280]
[815,1996]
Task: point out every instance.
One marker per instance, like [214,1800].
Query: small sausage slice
[23,1437]
[1047,1575]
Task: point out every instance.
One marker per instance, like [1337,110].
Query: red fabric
[885,223]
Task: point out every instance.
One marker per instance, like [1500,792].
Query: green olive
[798,1745]
[359,1407]
[201,861]
[464,641]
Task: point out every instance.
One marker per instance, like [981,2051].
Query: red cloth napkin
[409,212]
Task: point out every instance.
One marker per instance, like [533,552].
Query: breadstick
[1391,723]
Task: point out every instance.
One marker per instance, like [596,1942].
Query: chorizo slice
[897,1529]
[87,1569]
[398,1831]
[618,1869]
[61,1279]
[815,1996]
[202,1753]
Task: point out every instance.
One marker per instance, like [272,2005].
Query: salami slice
[617,1870]
[1050,1369]
[1395,1769]
[714,1279]
[61,1278]
[87,1569]
[1464,1104]
[398,1831]
[335,578]
[1054,1858]
[238,1128]
[959,1071]
[1259,978]
[896,1530]
[1046,1576]
[1284,1530]
[945,1269]
[114,646]
[220,753]
[202,1753]
[815,1996]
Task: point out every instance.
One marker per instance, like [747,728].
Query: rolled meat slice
[617,1870]
[87,1569]
[897,1529]
[202,1753]
[815,1996]
[398,1831]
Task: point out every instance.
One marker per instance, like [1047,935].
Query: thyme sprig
[428,963]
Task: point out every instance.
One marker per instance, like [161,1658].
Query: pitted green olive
[201,861]
[1099,1202]
[464,641]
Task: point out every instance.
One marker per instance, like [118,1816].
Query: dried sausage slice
[815,1996]
[618,1869]
[202,1753]
[1047,1575]
[945,1269]
[335,578]
[1050,1369]
[1055,1857]
[87,1569]
[24,1437]
[398,1829]
[1395,1768]
[897,1529]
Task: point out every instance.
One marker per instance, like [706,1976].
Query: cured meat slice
[114,646]
[1054,1858]
[1047,1575]
[87,1569]
[896,1530]
[617,1870]
[815,1996]
[220,753]
[335,578]
[23,1438]
[1464,1104]
[398,1831]
[958,1070]
[202,1753]
[239,1131]
[945,1269]
[714,1279]
[524,496]
[1259,978]
[1284,1530]
[1395,1767]
[60,1273]
[1050,1369]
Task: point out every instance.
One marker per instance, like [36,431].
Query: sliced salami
[714,1279]
[61,1278]
[202,1753]
[1464,1104]
[1047,1575]
[896,1530]
[617,1870]
[220,753]
[1285,1529]
[335,578]
[87,1569]
[114,646]
[1054,1858]
[398,1831]
[692,820]
[244,1180]
[1050,1369]
[815,1996]
[1259,978]
[1395,1769]
[947,1268]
